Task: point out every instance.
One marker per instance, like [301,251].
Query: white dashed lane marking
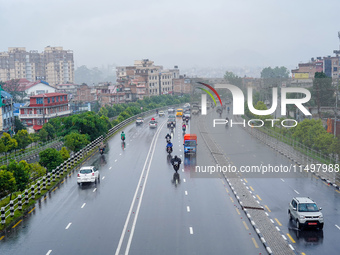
[68,225]
[83,205]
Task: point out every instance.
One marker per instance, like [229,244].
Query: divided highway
[241,149]
[137,208]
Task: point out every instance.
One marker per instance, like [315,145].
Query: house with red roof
[41,108]
[24,88]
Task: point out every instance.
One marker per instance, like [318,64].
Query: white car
[161,114]
[139,121]
[88,174]
[153,124]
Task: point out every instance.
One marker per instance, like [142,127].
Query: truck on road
[190,143]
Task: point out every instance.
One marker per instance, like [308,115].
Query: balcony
[47,116]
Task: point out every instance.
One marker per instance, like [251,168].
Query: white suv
[305,213]
[88,174]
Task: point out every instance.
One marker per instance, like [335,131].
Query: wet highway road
[276,193]
[136,208]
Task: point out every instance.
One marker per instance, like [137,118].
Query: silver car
[305,213]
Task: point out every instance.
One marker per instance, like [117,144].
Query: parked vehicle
[88,174]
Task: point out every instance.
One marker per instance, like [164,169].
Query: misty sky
[187,33]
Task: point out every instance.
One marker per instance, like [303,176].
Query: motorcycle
[123,138]
[176,166]
[168,140]
[101,151]
[169,150]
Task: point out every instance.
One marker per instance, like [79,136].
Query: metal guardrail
[56,174]
[32,153]
[300,154]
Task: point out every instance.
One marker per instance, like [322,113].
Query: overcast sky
[186,33]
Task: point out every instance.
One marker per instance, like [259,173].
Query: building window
[39,100]
[57,99]
[48,100]
[64,98]
[52,99]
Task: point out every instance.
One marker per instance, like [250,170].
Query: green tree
[21,173]
[23,139]
[9,142]
[233,78]
[50,158]
[307,131]
[86,123]
[18,125]
[50,129]
[37,171]
[323,142]
[110,111]
[322,91]
[7,183]
[95,108]
[277,72]
[259,106]
[75,141]
[103,112]
[2,147]
[43,135]
[64,153]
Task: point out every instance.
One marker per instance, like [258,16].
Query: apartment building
[41,108]
[6,111]
[54,65]
[149,79]
[329,65]
[182,85]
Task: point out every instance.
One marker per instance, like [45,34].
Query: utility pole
[336,108]
[43,109]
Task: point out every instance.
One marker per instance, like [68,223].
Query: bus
[179,112]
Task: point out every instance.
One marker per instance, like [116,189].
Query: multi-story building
[329,65]
[7,117]
[70,89]
[42,108]
[182,85]
[84,94]
[54,65]
[22,89]
[59,65]
[148,78]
